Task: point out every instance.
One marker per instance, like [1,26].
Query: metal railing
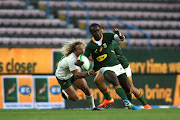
[128,30]
[47,9]
[27,4]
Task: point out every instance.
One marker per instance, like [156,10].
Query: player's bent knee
[75,98]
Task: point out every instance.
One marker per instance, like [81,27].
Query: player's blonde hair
[70,46]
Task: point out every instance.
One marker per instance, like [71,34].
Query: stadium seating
[34,42]
[21,27]
[41,32]
[20,13]
[112,6]
[54,23]
[6,41]
[52,32]
[123,14]
[143,24]
[12,4]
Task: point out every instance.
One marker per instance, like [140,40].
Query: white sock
[90,100]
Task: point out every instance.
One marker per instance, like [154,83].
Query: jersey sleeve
[109,35]
[71,64]
[117,49]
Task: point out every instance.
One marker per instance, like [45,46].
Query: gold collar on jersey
[95,40]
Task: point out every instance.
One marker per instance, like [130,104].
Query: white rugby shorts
[117,69]
[128,71]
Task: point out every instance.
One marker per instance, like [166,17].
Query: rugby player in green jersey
[99,80]
[105,61]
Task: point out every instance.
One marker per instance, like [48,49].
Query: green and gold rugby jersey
[120,56]
[103,55]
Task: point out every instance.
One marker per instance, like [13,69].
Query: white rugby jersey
[65,66]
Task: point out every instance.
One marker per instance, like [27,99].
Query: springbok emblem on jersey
[96,51]
[12,89]
[105,45]
[43,89]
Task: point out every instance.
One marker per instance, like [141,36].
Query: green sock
[121,93]
[143,101]
[107,96]
[129,96]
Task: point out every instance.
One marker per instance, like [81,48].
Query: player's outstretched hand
[79,63]
[115,30]
[121,36]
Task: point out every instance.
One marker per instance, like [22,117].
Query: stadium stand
[113,6]
[123,14]
[34,42]
[47,23]
[12,5]
[158,18]
[16,13]
[41,32]
[142,24]
[56,42]
[29,27]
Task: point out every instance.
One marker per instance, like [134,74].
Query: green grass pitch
[80,114]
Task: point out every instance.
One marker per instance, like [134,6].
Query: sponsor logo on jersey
[101,58]
[55,90]
[105,46]
[25,90]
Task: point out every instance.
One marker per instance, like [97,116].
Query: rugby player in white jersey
[68,74]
